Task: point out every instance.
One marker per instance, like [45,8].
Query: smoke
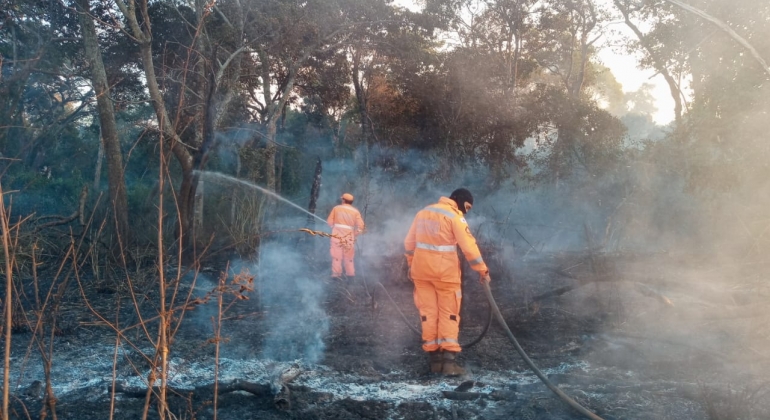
[292,299]
[652,237]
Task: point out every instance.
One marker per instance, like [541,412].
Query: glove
[484,278]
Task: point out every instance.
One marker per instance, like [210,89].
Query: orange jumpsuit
[431,252]
[346,222]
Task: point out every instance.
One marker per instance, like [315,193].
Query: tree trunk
[366,128]
[274,107]
[99,161]
[167,129]
[198,214]
[234,195]
[270,151]
[109,129]
[314,190]
[577,84]
[210,115]
[278,172]
[143,35]
[189,196]
[361,99]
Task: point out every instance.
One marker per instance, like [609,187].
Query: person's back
[434,267]
[436,232]
[346,223]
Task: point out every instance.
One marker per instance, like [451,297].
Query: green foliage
[291,173]
[35,192]
[140,196]
[232,217]
[36,40]
[578,136]
[253,164]
[519,93]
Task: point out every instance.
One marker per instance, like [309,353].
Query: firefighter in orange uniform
[346,223]
[434,267]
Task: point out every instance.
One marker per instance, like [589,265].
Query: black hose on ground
[494,310]
[564,397]
[416,331]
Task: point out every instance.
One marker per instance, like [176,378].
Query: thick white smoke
[292,301]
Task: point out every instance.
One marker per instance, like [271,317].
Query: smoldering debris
[279,384]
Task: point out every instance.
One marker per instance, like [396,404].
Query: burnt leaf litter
[618,350]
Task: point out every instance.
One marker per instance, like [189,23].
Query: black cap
[462,196]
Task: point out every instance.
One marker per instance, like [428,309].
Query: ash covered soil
[627,336]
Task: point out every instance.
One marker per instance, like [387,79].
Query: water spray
[493,309]
[253,186]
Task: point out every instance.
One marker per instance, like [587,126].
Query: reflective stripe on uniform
[337,225]
[440,340]
[441,211]
[439,248]
[409,252]
[476,261]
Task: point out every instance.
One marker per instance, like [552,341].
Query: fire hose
[494,310]
[564,397]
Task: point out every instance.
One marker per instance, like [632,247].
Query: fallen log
[281,399]
[203,390]
[463,387]
[314,190]
[502,395]
[279,386]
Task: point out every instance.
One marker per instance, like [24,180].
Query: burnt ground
[628,336]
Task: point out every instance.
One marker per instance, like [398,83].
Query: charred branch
[314,190]
[204,391]
[281,399]
[277,388]
[462,396]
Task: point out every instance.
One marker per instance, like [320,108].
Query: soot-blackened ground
[628,337]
